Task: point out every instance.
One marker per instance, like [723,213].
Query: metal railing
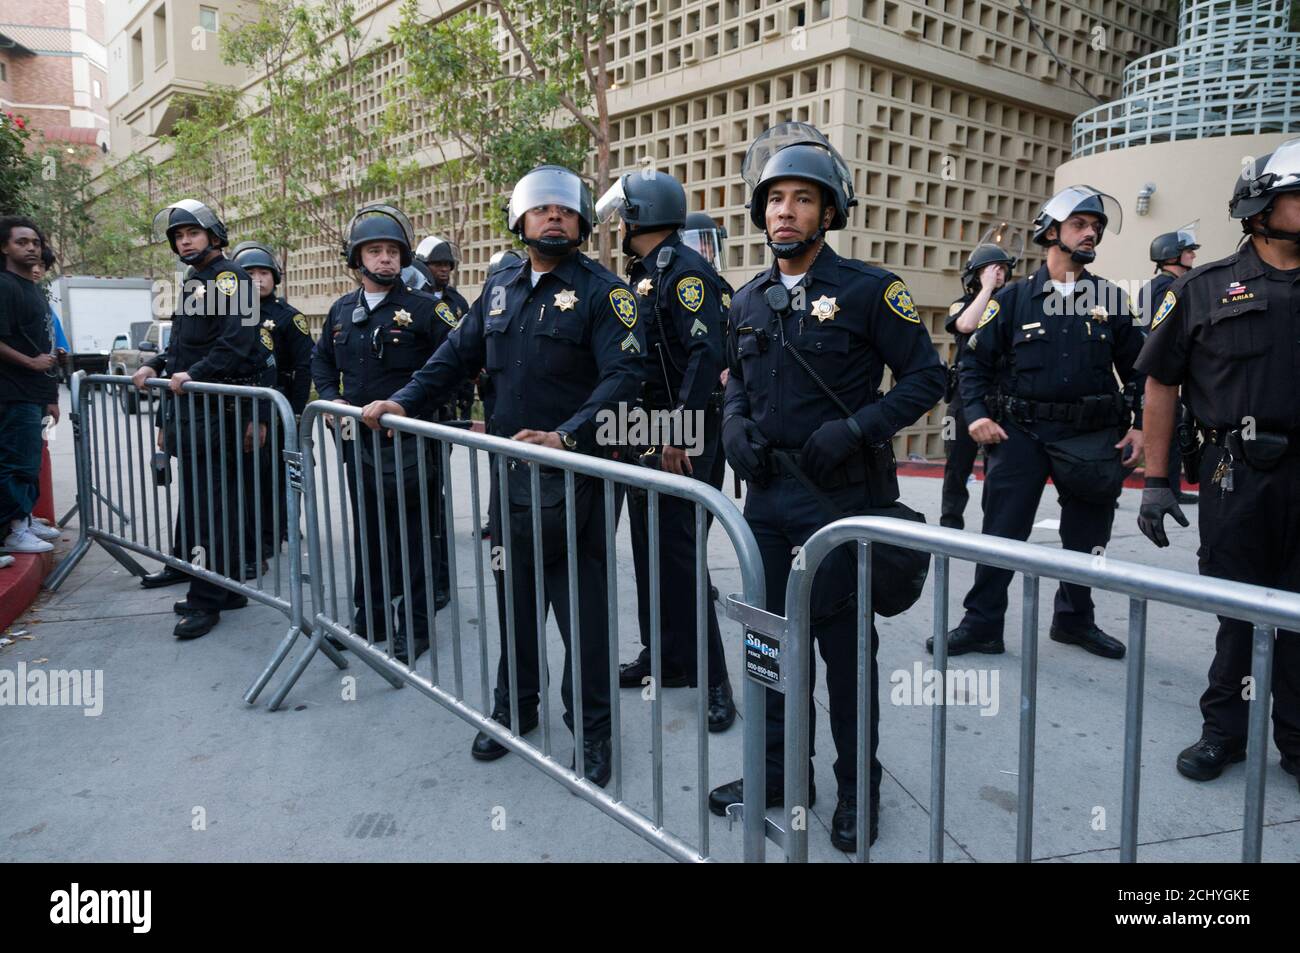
[1266,609]
[126,510]
[332,525]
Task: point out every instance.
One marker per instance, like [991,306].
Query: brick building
[54,68]
[952,114]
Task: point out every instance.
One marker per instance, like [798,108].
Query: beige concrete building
[952,114]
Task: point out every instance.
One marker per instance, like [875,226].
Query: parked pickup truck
[147,338]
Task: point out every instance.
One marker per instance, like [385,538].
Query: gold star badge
[1099,314]
[402,317]
[824,308]
[645,286]
[565,300]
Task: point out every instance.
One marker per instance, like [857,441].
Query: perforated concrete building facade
[952,114]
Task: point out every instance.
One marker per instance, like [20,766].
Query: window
[160,36]
[4,73]
[137,58]
[208,18]
[99,90]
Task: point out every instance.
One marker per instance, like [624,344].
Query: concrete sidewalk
[178,768]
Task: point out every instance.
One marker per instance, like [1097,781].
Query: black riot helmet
[435,248]
[646,201]
[377,223]
[1072,200]
[502,260]
[797,150]
[997,246]
[257,255]
[551,185]
[1170,246]
[1260,183]
[189,212]
[704,235]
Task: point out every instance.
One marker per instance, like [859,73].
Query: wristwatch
[568,440]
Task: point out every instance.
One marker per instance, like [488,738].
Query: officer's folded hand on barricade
[177,381]
[543,438]
[371,413]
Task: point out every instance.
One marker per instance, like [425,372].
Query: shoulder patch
[227,282]
[443,310]
[300,323]
[899,300]
[266,340]
[1163,311]
[690,292]
[955,309]
[989,314]
[624,306]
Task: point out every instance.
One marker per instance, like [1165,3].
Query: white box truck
[97,311]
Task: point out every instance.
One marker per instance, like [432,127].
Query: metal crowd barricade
[331,523]
[1266,609]
[126,511]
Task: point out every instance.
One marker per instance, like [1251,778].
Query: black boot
[721,798]
[198,622]
[597,757]
[963,639]
[632,674]
[1089,638]
[167,576]
[1205,760]
[399,647]
[722,707]
[844,823]
[485,747]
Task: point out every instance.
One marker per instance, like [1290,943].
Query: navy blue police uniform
[366,354]
[214,339]
[961,449]
[1052,360]
[679,303]
[1226,332]
[459,408]
[856,321]
[559,353]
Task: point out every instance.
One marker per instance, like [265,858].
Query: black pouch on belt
[1263,451]
[1087,466]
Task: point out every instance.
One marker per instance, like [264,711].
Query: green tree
[119,239]
[17,167]
[59,197]
[204,140]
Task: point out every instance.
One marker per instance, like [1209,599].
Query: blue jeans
[21,442]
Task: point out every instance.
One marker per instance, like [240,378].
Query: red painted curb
[20,583]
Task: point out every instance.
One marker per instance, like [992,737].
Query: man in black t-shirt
[28,384]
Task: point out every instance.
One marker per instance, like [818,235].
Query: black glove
[827,448]
[745,448]
[1157,500]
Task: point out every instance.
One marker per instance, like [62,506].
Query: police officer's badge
[443,310]
[266,340]
[690,292]
[402,318]
[1099,314]
[624,306]
[565,300]
[644,287]
[300,323]
[227,283]
[726,300]
[1165,307]
[824,308]
[899,300]
[989,314]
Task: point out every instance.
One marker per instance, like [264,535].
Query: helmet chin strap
[794,249]
[1079,256]
[386,280]
[553,247]
[1265,232]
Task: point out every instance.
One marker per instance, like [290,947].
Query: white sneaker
[6,561]
[21,541]
[43,530]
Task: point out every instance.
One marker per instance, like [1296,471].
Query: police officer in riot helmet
[291,376]
[805,426]
[1174,255]
[371,341]
[561,338]
[1225,333]
[214,339]
[679,303]
[1038,385]
[987,270]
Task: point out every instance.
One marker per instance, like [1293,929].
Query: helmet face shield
[784,134]
[706,241]
[549,185]
[203,216]
[1067,201]
[1282,172]
[612,202]
[1187,235]
[1002,235]
[436,248]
